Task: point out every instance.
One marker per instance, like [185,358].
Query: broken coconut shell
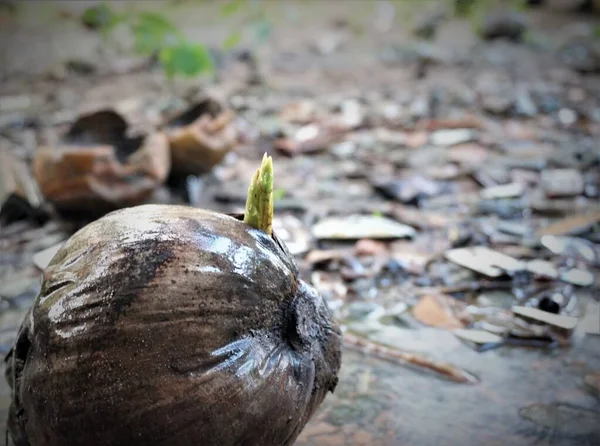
[169,325]
[20,197]
[97,168]
[200,137]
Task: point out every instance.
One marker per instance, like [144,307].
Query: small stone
[562,182]
[452,137]
[511,190]
[577,277]
[567,116]
[361,226]
[415,140]
[571,246]
[329,43]
[419,108]
[524,105]
[497,103]
[344,149]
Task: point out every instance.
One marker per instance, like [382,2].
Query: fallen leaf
[435,311]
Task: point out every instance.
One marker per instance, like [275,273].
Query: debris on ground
[442,195]
[200,137]
[96,166]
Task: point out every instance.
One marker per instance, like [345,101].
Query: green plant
[154,34]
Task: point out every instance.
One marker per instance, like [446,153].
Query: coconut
[169,325]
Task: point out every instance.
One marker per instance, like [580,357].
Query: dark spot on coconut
[136,269]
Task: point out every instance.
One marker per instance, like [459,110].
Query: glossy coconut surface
[169,325]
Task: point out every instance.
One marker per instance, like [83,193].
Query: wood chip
[484,260]
[571,225]
[556,320]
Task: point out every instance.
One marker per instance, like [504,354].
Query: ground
[394,127]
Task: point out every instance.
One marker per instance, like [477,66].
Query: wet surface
[524,397]
[462,143]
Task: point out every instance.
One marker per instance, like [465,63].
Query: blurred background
[436,178]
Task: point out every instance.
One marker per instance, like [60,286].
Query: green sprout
[259,203]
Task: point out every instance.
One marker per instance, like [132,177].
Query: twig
[405,358]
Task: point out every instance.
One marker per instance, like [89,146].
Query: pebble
[361,226]
[577,277]
[567,116]
[511,190]
[452,137]
[562,182]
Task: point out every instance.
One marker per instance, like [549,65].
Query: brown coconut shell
[168,325]
[200,137]
[96,168]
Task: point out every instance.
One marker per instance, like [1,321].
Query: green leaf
[231,7]
[377,214]
[152,32]
[99,17]
[232,40]
[185,59]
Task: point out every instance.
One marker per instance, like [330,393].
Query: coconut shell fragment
[168,325]
[200,137]
[97,168]
[20,198]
